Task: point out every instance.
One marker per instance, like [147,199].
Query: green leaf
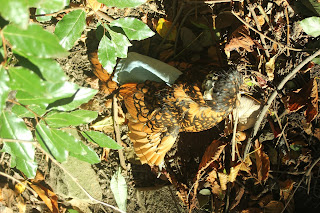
[118,187]
[23,112]
[311,26]
[16,11]
[69,29]
[12,127]
[34,3]
[133,28]
[83,95]
[54,91]
[34,41]
[75,118]
[90,156]
[107,54]
[316,60]
[101,139]
[54,5]
[41,11]
[49,68]
[26,80]
[50,143]
[4,87]
[121,42]
[122,3]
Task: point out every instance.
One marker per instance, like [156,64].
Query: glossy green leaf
[50,143]
[311,26]
[12,127]
[49,68]
[69,29]
[121,42]
[316,60]
[41,11]
[63,91]
[107,54]
[122,3]
[119,189]
[90,156]
[54,5]
[101,139]
[4,87]
[74,118]
[34,41]
[133,28]
[26,80]
[24,112]
[34,3]
[15,11]
[83,95]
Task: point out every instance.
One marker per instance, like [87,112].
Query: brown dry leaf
[270,66]
[163,27]
[20,187]
[6,196]
[307,96]
[262,161]
[274,207]
[239,39]
[245,165]
[212,153]
[286,188]
[234,172]
[48,197]
[94,4]
[106,124]
[218,181]
[21,204]
[248,112]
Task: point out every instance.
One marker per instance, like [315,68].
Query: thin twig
[18,181]
[261,34]
[16,141]
[273,96]
[234,141]
[117,131]
[104,16]
[307,174]
[75,180]
[264,44]
[5,54]
[288,29]
[61,11]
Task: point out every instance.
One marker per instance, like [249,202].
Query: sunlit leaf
[69,29]
[102,139]
[163,28]
[24,112]
[16,11]
[4,87]
[12,127]
[34,41]
[118,187]
[83,95]
[311,26]
[75,118]
[90,156]
[50,143]
[41,11]
[122,3]
[54,5]
[107,54]
[133,28]
[121,42]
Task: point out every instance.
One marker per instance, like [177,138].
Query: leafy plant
[36,100]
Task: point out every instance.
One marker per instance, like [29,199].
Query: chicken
[158,112]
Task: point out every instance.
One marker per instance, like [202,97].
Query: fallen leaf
[274,207]
[163,28]
[239,39]
[307,96]
[286,188]
[262,162]
[212,153]
[106,124]
[48,197]
[20,187]
[94,4]
[270,66]
[21,204]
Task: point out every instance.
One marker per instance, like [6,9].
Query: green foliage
[41,94]
[119,189]
[122,3]
[311,26]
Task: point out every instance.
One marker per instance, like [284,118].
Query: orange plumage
[158,112]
